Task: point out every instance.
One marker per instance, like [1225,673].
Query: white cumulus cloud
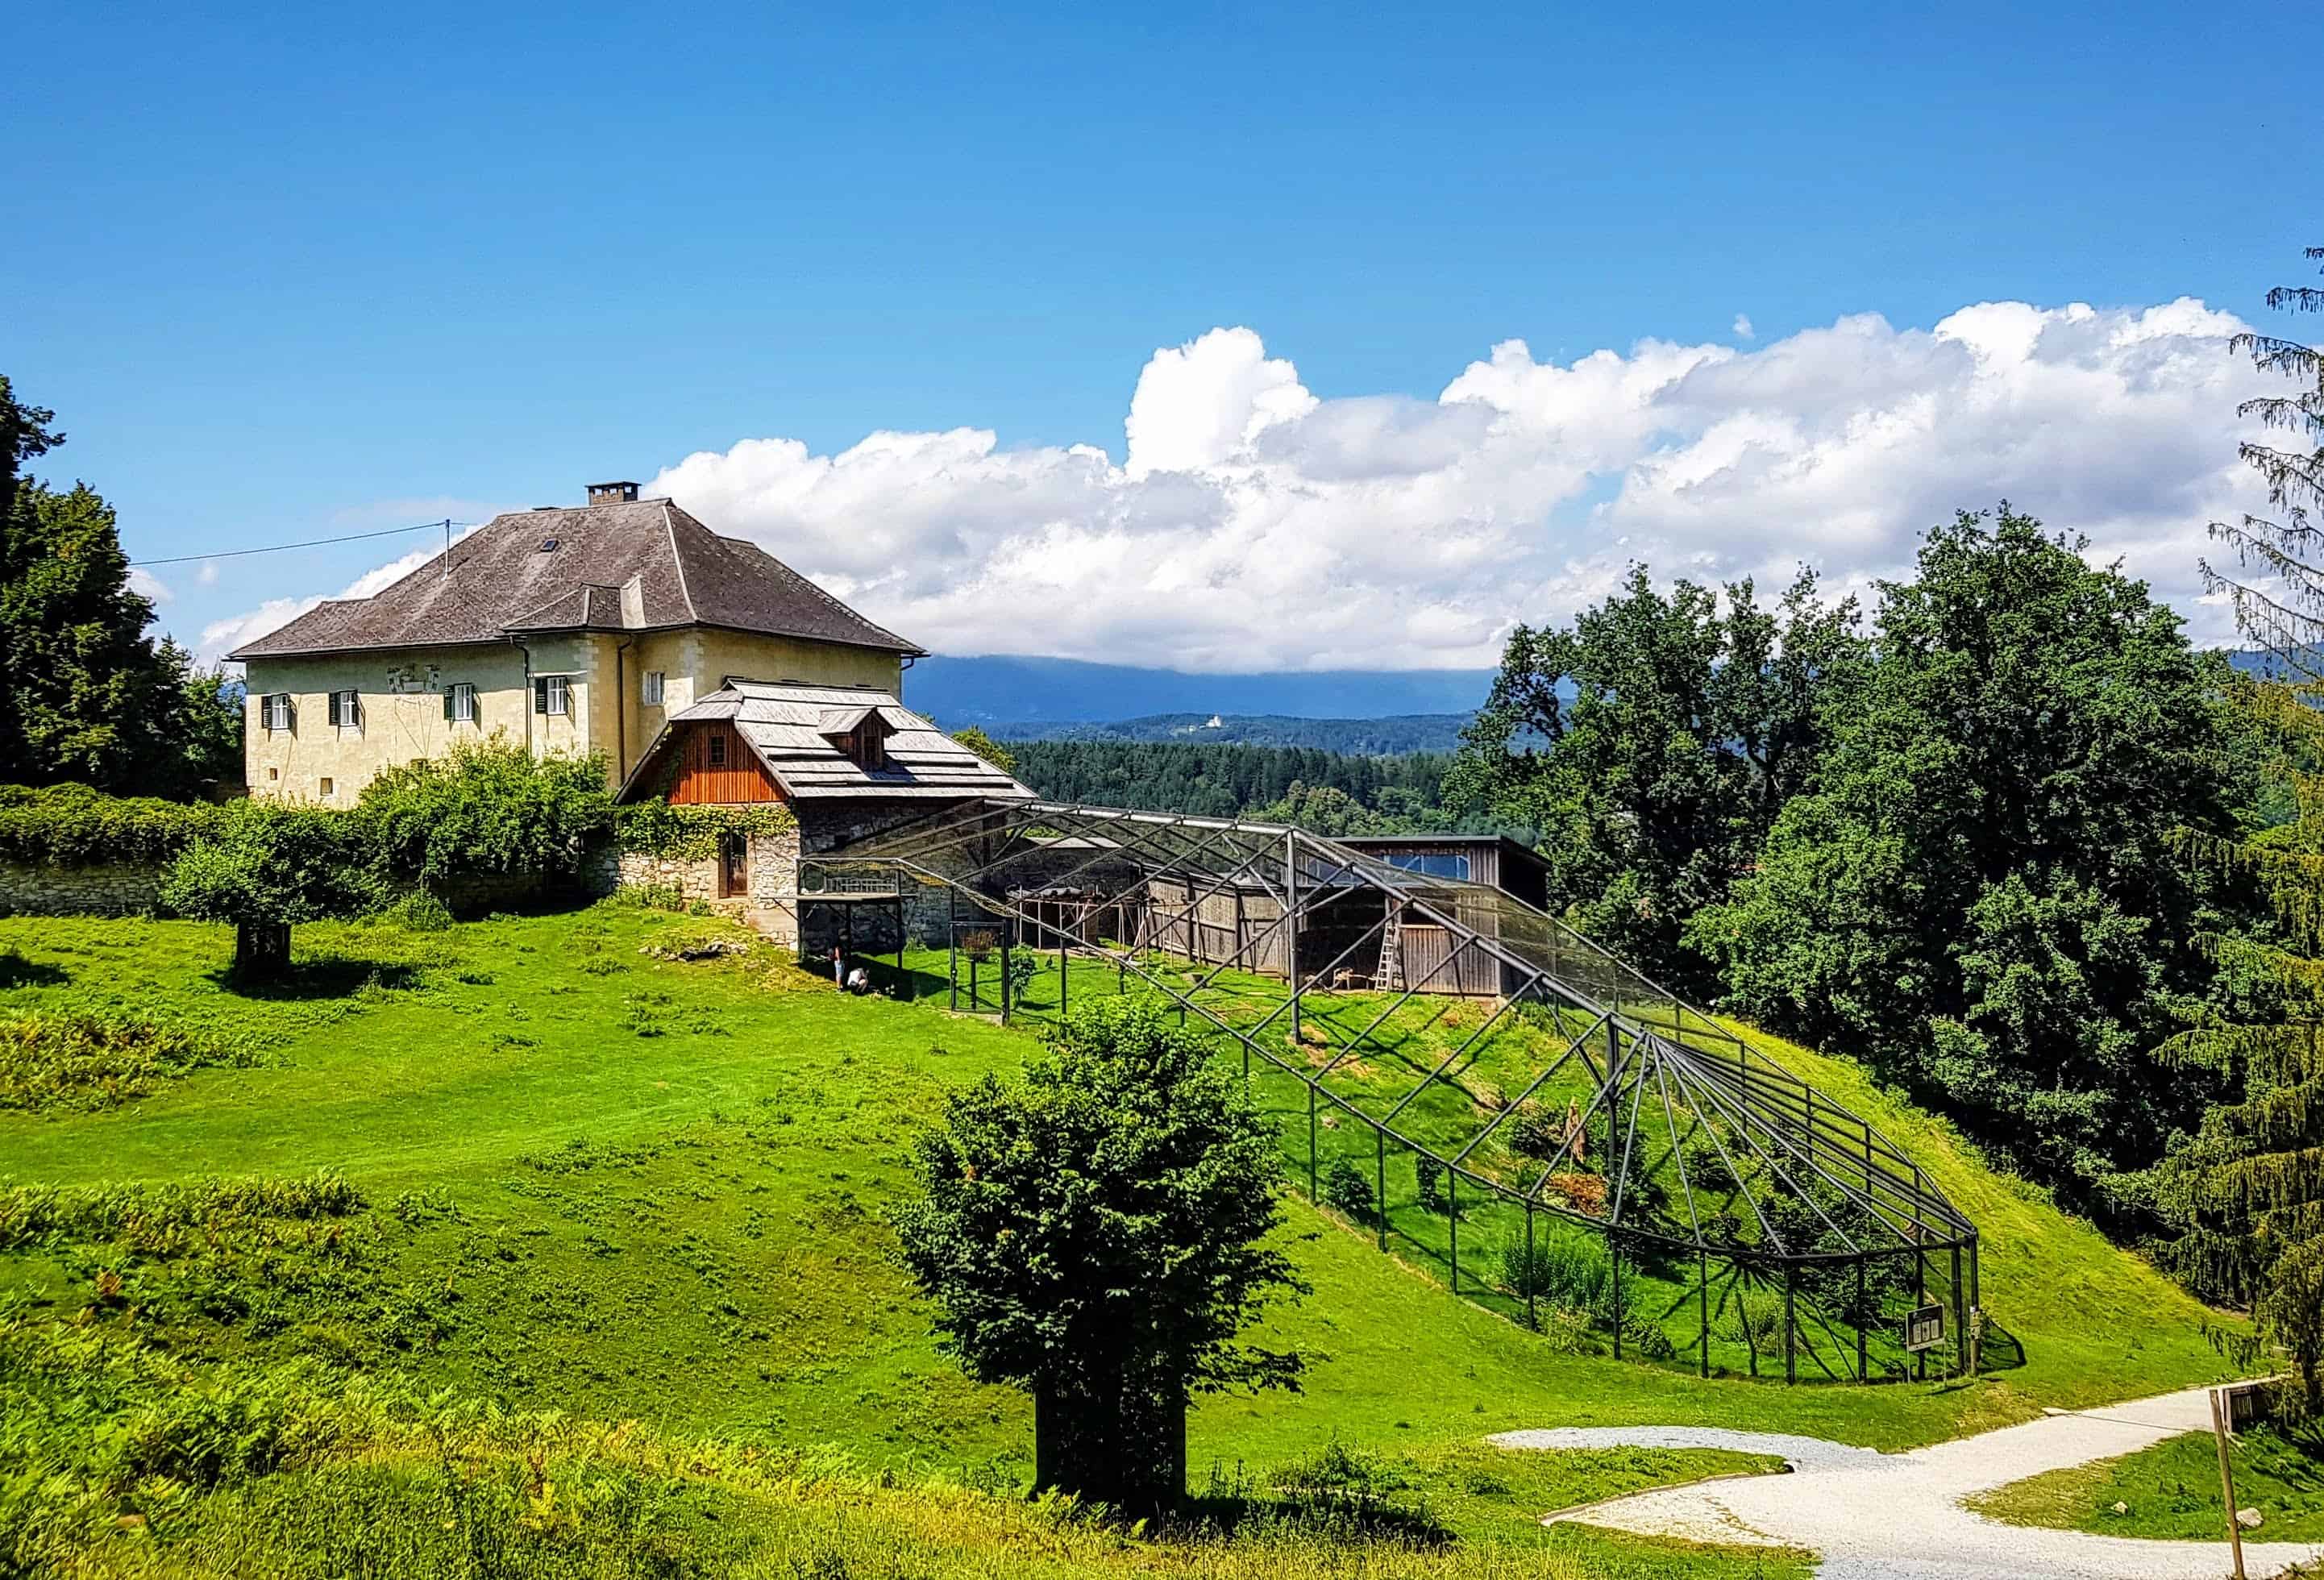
[1251,525]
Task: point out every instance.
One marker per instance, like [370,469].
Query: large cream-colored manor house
[575,630]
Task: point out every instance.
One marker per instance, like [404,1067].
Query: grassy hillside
[2171,1492]
[584,1180]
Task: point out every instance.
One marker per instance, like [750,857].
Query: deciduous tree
[1977,890]
[1651,742]
[84,694]
[1094,1233]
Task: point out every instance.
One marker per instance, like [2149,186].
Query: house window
[274,710]
[325,784]
[346,709]
[717,745]
[274,773]
[649,688]
[460,703]
[550,694]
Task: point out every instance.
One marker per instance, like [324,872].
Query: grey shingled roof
[634,565]
[789,728]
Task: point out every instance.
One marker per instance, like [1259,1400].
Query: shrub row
[71,824]
[488,807]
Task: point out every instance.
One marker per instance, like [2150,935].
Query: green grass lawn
[628,1189]
[2173,1491]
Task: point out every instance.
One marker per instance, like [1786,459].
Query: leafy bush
[1535,1133]
[1429,1175]
[649,896]
[687,833]
[1562,1269]
[488,807]
[1345,1187]
[270,865]
[87,1062]
[422,913]
[71,824]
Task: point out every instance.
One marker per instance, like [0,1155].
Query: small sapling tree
[1093,1235]
[268,867]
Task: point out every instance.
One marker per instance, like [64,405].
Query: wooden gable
[716,767]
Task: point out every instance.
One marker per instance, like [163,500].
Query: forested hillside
[1332,792]
[1384,736]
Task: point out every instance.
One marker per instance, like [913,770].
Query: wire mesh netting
[1467,1078]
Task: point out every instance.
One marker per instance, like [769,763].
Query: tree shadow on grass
[15,971]
[324,977]
[1341,1510]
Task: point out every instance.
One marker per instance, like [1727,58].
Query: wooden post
[2219,1414]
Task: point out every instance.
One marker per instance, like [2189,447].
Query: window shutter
[449,711]
[541,695]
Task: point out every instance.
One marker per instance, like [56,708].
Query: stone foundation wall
[38,889]
[771,867]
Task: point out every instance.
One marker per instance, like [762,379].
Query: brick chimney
[612,493]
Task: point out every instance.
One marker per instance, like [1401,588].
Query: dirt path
[1899,1516]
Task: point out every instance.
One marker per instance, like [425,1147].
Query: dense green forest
[1389,734]
[1332,792]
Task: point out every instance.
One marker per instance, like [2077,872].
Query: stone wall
[771,868]
[38,889]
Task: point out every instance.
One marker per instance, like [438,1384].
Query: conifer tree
[2248,1192]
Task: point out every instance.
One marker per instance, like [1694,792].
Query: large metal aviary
[1581,1150]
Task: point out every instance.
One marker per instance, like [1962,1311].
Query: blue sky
[290,271]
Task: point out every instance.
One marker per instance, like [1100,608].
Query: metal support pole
[1702,1301]
[1291,915]
[1532,1317]
[1453,1221]
[1008,930]
[952,948]
[1379,1202]
[1977,1310]
[1614,1254]
[1311,1194]
[1863,1321]
[1062,974]
[1791,1323]
[1961,1319]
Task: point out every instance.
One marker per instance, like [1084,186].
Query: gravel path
[1899,1516]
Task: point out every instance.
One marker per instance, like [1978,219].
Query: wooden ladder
[1391,962]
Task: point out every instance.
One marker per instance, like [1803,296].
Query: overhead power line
[307,543]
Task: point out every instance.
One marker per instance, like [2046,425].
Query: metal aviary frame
[1619,1163]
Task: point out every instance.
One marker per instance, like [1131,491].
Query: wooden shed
[1236,921]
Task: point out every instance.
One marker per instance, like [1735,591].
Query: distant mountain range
[1360,737]
[1030,697]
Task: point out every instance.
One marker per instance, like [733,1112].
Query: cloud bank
[1251,525]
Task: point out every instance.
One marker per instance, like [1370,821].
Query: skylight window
[548,545]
